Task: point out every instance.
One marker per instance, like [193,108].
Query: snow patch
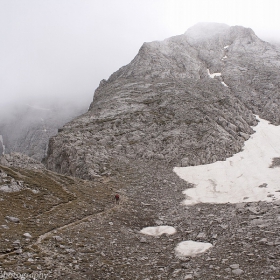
[225,47]
[213,75]
[191,248]
[156,231]
[224,84]
[240,177]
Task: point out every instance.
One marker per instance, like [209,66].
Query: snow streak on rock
[214,74]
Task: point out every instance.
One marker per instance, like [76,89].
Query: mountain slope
[187,100]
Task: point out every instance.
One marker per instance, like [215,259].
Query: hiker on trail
[117,198]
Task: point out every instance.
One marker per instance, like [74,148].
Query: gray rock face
[187,100]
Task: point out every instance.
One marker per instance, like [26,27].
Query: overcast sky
[63,48]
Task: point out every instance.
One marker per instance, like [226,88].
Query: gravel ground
[107,244]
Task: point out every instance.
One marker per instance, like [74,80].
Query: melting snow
[239,178]
[213,75]
[224,84]
[191,248]
[156,231]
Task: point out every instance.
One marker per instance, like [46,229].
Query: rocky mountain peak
[182,101]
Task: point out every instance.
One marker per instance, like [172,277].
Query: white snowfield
[241,178]
[191,248]
[156,231]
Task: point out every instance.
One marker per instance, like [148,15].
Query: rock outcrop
[20,160]
[187,100]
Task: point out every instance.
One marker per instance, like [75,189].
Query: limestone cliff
[187,100]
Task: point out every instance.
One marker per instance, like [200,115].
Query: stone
[234,266]
[57,238]
[237,271]
[18,251]
[12,219]
[245,135]
[201,235]
[263,241]
[143,240]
